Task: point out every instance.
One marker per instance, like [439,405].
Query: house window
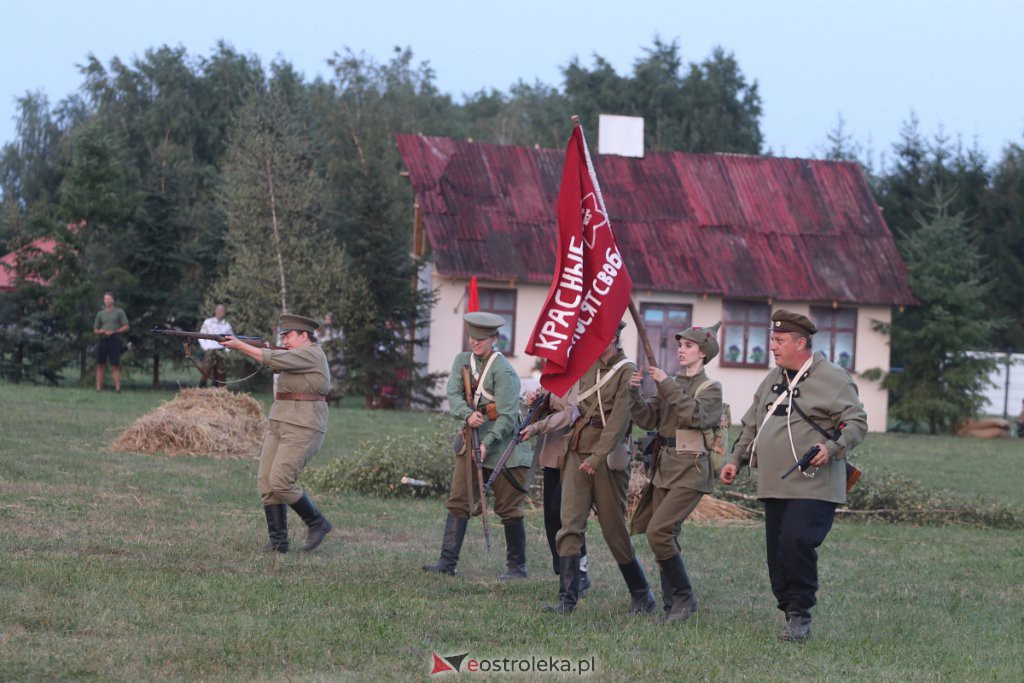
[503,303]
[745,334]
[663,322]
[837,334]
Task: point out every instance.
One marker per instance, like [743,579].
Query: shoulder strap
[828,437]
[601,381]
[703,385]
[480,376]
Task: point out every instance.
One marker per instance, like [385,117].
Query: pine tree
[940,382]
[280,256]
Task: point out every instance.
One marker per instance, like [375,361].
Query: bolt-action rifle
[539,405]
[473,459]
[188,337]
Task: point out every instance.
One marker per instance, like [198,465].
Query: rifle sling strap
[828,437]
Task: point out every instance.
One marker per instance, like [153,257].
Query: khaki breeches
[287,449]
[669,507]
[508,500]
[605,490]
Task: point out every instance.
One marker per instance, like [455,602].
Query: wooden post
[651,360]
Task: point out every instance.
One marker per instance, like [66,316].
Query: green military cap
[481,325]
[788,321]
[704,337]
[299,323]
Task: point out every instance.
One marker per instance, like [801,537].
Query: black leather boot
[568,585]
[451,545]
[666,589]
[515,551]
[641,599]
[317,524]
[277,528]
[683,601]
[584,570]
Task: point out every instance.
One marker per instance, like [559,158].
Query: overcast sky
[957,64]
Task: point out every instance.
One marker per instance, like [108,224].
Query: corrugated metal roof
[721,224]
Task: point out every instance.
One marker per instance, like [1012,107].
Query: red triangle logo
[440,665]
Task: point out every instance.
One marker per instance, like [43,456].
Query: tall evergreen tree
[1000,235]
[372,208]
[940,382]
[281,256]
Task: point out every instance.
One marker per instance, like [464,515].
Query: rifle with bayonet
[473,459]
[539,406]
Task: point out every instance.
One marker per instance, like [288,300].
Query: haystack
[709,509]
[988,428]
[210,422]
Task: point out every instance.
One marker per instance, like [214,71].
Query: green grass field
[117,566]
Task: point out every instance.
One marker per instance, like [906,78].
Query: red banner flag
[591,288]
[474,296]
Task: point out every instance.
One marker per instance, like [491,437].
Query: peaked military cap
[299,323]
[481,325]
[788,321]
[704,337]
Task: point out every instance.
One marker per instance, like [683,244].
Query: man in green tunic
[806,402]
[493,413]
[685,407]
[298,422]
[595,474]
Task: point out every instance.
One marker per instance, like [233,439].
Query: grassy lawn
[121,566]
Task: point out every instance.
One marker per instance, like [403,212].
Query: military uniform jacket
[828,395]
[300,371]
[613,397]
[675,407]
[501,382]
[554,429]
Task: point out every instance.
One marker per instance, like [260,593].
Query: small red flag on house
[591,288]
[474,296]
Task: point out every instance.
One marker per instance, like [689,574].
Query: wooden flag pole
[651,360]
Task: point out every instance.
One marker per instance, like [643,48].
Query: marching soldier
[553,442]
[595,474]
[685,407]
[298,422]
[806,402]
[495,410]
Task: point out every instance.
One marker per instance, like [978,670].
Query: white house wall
[738,383]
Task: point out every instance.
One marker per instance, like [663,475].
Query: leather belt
[669,441]
[596,422]
[288,396]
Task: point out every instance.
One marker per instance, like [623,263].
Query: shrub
[378,466]
[892,498]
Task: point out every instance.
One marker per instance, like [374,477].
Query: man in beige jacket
[805,402]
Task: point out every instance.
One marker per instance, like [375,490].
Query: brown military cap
[299,323]
[788,321]
[704,337]
[481,325]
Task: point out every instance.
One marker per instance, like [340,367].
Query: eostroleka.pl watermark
[512,665]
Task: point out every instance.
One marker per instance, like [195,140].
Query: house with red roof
[705,237]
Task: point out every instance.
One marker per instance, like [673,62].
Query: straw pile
[709,509]
[211,422]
